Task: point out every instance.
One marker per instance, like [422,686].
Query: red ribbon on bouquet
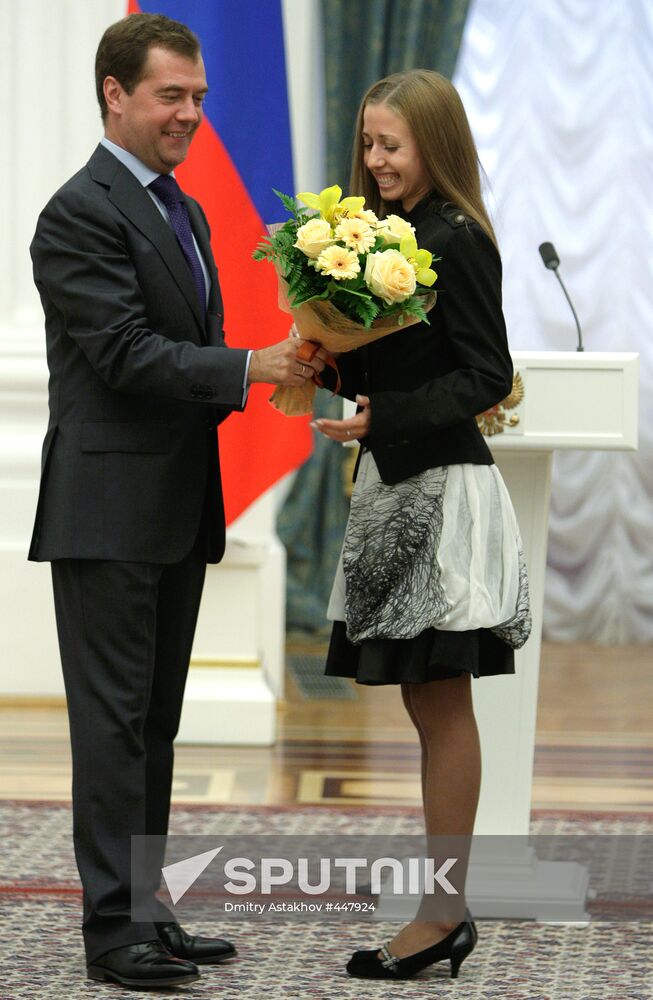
[307,351]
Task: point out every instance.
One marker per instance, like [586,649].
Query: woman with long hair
[431,589]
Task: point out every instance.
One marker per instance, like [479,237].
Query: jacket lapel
[129,196]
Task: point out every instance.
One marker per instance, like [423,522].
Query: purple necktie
[168,191]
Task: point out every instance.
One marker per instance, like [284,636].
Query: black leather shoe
[146,964]
[192,947]
[456,946]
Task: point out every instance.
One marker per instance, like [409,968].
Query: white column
[305,67]
[506,706]
[52,123]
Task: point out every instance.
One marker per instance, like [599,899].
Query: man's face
[158,120]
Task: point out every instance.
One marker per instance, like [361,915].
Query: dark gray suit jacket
[138,378]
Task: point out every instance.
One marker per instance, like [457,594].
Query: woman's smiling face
[391,154]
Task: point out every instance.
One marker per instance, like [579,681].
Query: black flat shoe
[456,947]
[192,947]
[146,964]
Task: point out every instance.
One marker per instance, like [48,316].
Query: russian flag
[240,152]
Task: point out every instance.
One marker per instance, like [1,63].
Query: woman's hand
[347,430]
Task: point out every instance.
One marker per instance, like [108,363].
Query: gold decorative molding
[494,420]
[229,662]
[32,701]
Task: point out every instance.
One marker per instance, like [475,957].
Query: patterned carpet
[42,957]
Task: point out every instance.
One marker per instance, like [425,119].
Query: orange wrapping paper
[322,323]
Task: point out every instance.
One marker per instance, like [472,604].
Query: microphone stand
[580,336]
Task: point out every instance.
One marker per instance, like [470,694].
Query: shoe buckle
[389,961]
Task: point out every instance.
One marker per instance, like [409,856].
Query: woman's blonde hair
[434,112]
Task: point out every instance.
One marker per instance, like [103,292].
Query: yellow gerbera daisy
[356,234]
[338,263]
[367,214]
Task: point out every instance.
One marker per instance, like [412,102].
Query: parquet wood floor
[594,747]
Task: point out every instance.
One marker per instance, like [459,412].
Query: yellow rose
[314,237]
[390,276]
[393,228]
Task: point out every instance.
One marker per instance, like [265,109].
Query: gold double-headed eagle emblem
[497,417]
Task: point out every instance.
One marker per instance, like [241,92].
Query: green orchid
[420,259]
[328,203]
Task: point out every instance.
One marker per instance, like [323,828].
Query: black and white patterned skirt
[431,579]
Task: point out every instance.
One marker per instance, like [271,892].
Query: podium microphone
[552,263]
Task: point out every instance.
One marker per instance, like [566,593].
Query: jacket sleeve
[352,375]
[469,299]
[90,291]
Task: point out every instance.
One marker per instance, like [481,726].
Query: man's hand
[280,365]
[347,430]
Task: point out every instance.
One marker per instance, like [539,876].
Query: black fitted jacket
[426,383]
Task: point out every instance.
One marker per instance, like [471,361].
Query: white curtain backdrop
[560,98]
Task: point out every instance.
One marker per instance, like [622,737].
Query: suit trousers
[125,636]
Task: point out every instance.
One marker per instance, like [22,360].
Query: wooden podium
[571,400]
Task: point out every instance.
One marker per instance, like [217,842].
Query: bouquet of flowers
[346,277]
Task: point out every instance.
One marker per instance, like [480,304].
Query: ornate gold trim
[32,701]
[232,662]
[494,420]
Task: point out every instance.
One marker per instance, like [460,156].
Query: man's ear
[113,92]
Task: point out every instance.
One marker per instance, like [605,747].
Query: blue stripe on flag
[247,103]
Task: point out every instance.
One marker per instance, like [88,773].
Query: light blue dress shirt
[145,176]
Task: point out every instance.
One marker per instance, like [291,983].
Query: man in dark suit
[130,507]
